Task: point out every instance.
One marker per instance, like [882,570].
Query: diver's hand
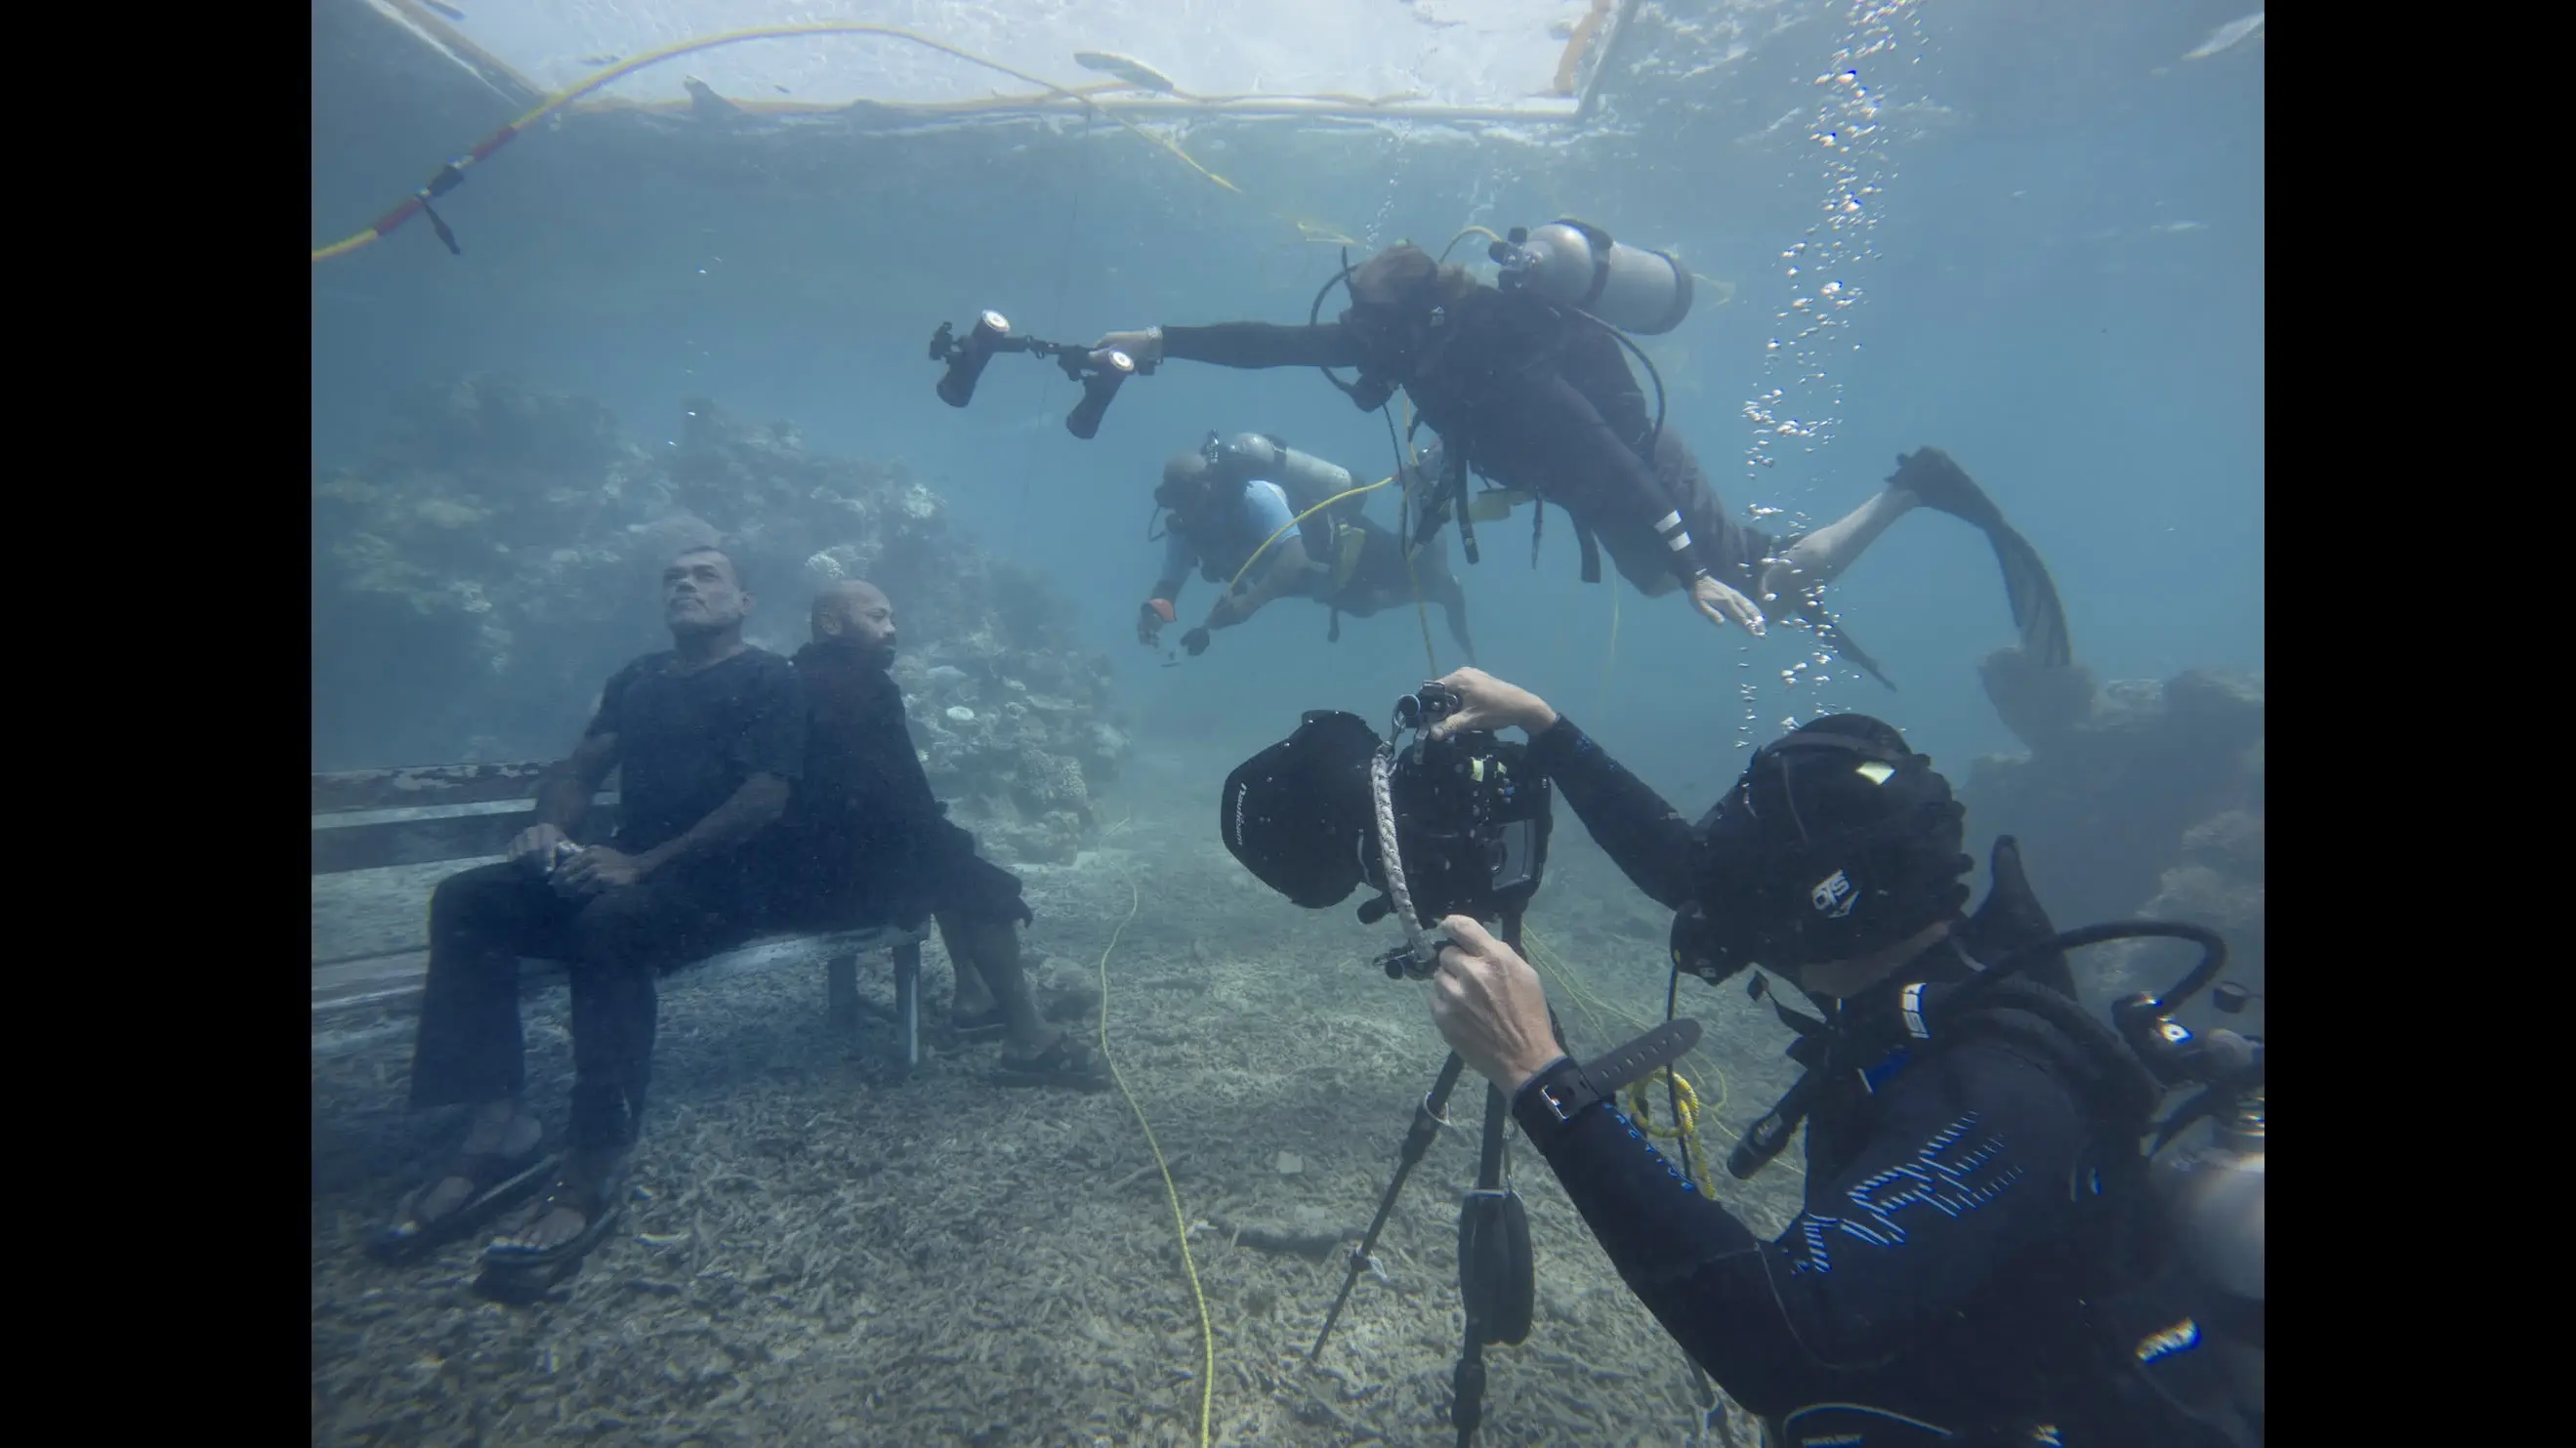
[1145,348]
[1487,1004]
[1485,702]
[1722,605]
[1151,615]
[535,845]
[1196,641]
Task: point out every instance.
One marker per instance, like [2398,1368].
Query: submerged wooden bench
[375,818]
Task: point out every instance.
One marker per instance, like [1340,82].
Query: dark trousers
[1734,551]
[613,946]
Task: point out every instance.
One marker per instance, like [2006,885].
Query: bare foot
[566,1211]
[514,1138]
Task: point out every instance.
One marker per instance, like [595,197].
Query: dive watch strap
[1547,1104]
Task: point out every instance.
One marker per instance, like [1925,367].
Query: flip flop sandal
[1065,1064]
[512,1269]
[499,1181]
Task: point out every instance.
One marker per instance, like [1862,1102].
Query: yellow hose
[1171,1193]
[1293,522]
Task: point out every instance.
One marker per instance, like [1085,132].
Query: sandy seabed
[816,1254]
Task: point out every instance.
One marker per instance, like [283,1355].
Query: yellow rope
[1567,986]
[563,98]
[1293,522]
[1171,1193]
[1422,616]
[1408,462]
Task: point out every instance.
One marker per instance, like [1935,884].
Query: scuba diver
[1983,1256]
[1221,504]
[1532,393]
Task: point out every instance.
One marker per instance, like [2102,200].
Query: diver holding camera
[1451,829]
[1994,1246]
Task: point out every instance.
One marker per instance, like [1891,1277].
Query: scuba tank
[1307,480]
[1577,264]
[2211,1192]
[2208,1191]
[1304,477]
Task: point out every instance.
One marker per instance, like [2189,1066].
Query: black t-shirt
[864,838]
[686,742]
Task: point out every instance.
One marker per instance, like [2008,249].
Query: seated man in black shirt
[864,841]
[707,738]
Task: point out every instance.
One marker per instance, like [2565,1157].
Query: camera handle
[1100,371]
[1421,945]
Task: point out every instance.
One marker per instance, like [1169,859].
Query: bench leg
[841,996]
[907,1000]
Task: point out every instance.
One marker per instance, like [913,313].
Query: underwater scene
[1196,722]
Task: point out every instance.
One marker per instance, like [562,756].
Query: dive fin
[1945,487]
[2036,609]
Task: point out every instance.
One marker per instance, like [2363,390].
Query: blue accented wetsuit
[1932,1273]
[1259,511]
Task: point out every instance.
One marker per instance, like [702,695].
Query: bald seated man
[864,842]
[707,737]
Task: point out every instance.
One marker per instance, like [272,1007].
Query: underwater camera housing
[1100,372]
[1471,817]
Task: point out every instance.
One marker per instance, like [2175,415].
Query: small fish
[1126,67]
[2227,37]
[450,11]
[661,1239]
[602,61]
[2171,228]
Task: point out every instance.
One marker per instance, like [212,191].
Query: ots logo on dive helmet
[1834,897]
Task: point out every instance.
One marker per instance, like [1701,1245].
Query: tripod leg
[1467,1383]
[1427,1117]
[1494,1269]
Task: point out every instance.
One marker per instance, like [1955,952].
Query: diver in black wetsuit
[1541,400]
[1943,1283]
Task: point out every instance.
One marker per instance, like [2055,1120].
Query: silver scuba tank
[1577,264]
[1304,477]
[2211,1193]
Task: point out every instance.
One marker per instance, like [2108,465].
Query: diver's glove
[1196,641]
[1144,348]
[1151,615]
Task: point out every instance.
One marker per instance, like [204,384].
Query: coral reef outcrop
[2137,798]
[479,575]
